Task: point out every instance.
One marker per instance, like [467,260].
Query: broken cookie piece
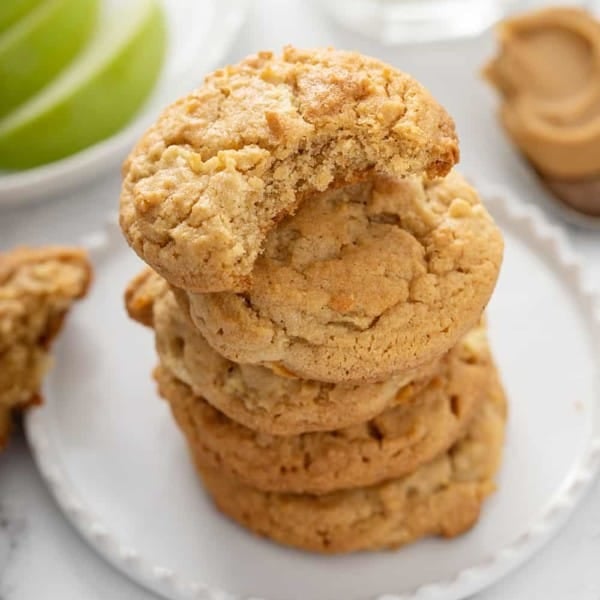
[37,288]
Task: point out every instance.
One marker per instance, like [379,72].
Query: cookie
[443,497]
[37,288]
[362,283]
[140,295]
[224,164]
[390,445]
[255,396]
[266,401]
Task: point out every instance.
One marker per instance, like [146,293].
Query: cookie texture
[255,396]
[140,295]
[268,402]
[390,445]
[363,282]
[37,288]
[443,497]
[223,165]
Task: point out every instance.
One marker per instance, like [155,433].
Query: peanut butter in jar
[548,74]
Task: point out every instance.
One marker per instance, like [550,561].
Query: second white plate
[119,468]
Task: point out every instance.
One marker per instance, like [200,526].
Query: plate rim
[131,562]
[30,186]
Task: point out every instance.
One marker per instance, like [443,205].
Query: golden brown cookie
[263,400]
[255,396]
[443,497]
[37,288]
[140,295]
[362,283]
[390,445]
[224,164]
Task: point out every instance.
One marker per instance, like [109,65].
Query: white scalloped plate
[200,33]
[117,466]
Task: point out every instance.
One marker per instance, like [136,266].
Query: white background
[40,554]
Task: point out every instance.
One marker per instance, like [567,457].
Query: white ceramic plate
[200,33]
[118,467]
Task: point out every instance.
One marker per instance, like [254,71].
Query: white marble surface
[41,555]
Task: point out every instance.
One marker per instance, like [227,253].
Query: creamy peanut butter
[548,73]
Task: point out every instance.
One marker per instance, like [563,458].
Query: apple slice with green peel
[13,10]
[95,96]
[40,44]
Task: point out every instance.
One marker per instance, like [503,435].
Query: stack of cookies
[317,286]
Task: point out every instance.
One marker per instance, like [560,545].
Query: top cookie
[224,164]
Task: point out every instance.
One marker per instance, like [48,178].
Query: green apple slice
[40,44]
[13,10]
[95,96]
